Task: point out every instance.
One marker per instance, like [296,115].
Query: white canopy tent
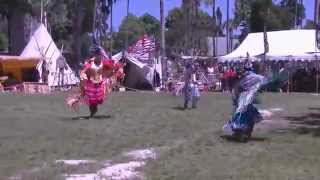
[283,45]
[42,46]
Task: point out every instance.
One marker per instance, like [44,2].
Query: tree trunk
[127,30]
[94,16]
[111,28]
[214,30]
[16,31]
[163,49]
[77,31]
[227,28]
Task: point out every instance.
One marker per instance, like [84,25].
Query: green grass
[37,130]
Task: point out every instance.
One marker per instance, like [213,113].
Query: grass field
[35,131]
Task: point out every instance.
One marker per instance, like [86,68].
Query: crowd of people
[216,76]
[213,76]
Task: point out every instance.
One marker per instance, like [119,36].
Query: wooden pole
[317,75]
[41,12]
[111,29]
[289,79]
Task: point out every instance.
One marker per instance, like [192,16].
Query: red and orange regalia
[98,77]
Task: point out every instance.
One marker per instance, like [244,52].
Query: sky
[140,7]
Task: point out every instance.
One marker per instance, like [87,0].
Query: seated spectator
[10,81]
[1,87]
[2,79]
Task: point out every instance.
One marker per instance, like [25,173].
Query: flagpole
[111,28]
[41,12]
[316,21]
[265,42]
[227,30]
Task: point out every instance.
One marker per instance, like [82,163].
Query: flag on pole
[143,48]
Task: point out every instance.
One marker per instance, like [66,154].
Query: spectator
[10,81]
[2,79]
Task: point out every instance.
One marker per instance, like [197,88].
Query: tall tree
[151,25]
[310,24]
[58,18]
[3,34]
[85,19]
[266,13]
[228,27]
[214,21]
[162,44]
[242,14]
[77,30]
[15,11]
[136,27]
[295,9]
[219,26]
[178,36]
[191,9]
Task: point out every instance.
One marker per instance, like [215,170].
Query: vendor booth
[21,69]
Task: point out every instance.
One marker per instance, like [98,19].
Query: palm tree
[162,50]
[111,28]
[227,29]
[213,4]
[191,8]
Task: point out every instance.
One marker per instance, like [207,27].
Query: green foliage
[151,25]
[252,15]
[274,17]
[242,11]
[131,27]
[178,36]
[290,7]
[3,42]
[309,24]
[7,6]
[85,45]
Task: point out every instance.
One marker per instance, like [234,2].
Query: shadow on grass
[314,108]
[178,108]
[234,139]
[308,123]
[78,118]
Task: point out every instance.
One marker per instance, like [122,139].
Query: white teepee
[42,46]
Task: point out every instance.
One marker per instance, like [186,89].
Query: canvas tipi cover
[41,45]
[139,75]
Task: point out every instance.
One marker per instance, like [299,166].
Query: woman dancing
[98,77]
[245,114]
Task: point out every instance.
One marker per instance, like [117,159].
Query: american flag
[143,48]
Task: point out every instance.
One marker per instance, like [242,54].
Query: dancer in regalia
[245,114]
[244,93]
[98,77]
